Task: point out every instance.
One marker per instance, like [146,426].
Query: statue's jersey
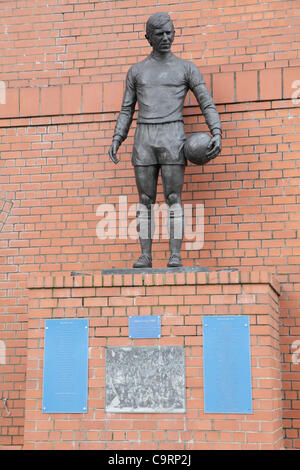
[160,87]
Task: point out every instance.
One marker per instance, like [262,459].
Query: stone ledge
[188,277]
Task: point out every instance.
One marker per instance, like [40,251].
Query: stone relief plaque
[148,379]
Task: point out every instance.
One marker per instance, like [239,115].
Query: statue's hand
[113,151]
[214,147]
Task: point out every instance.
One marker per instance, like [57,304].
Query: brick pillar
[181,299]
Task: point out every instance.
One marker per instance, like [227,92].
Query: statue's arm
[208,109]
[197,85]
[125,117]
[212,119]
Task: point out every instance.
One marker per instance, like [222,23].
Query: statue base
[221,320]
[183,269]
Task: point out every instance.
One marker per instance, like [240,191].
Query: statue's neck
[161,55]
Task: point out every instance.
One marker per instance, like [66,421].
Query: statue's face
[161,38]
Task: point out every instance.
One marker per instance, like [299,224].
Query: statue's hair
[157,20]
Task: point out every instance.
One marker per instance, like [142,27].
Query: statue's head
[160,32]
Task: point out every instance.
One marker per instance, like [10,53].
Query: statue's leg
[172,178]
[146,181]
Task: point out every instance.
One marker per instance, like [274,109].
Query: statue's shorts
[159,144]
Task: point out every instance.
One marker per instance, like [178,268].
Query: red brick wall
[181,300]
[63,65]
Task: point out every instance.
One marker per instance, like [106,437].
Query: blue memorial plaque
[65,366]
[145,326]
[227,364]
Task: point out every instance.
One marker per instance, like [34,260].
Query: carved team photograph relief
[145,379]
